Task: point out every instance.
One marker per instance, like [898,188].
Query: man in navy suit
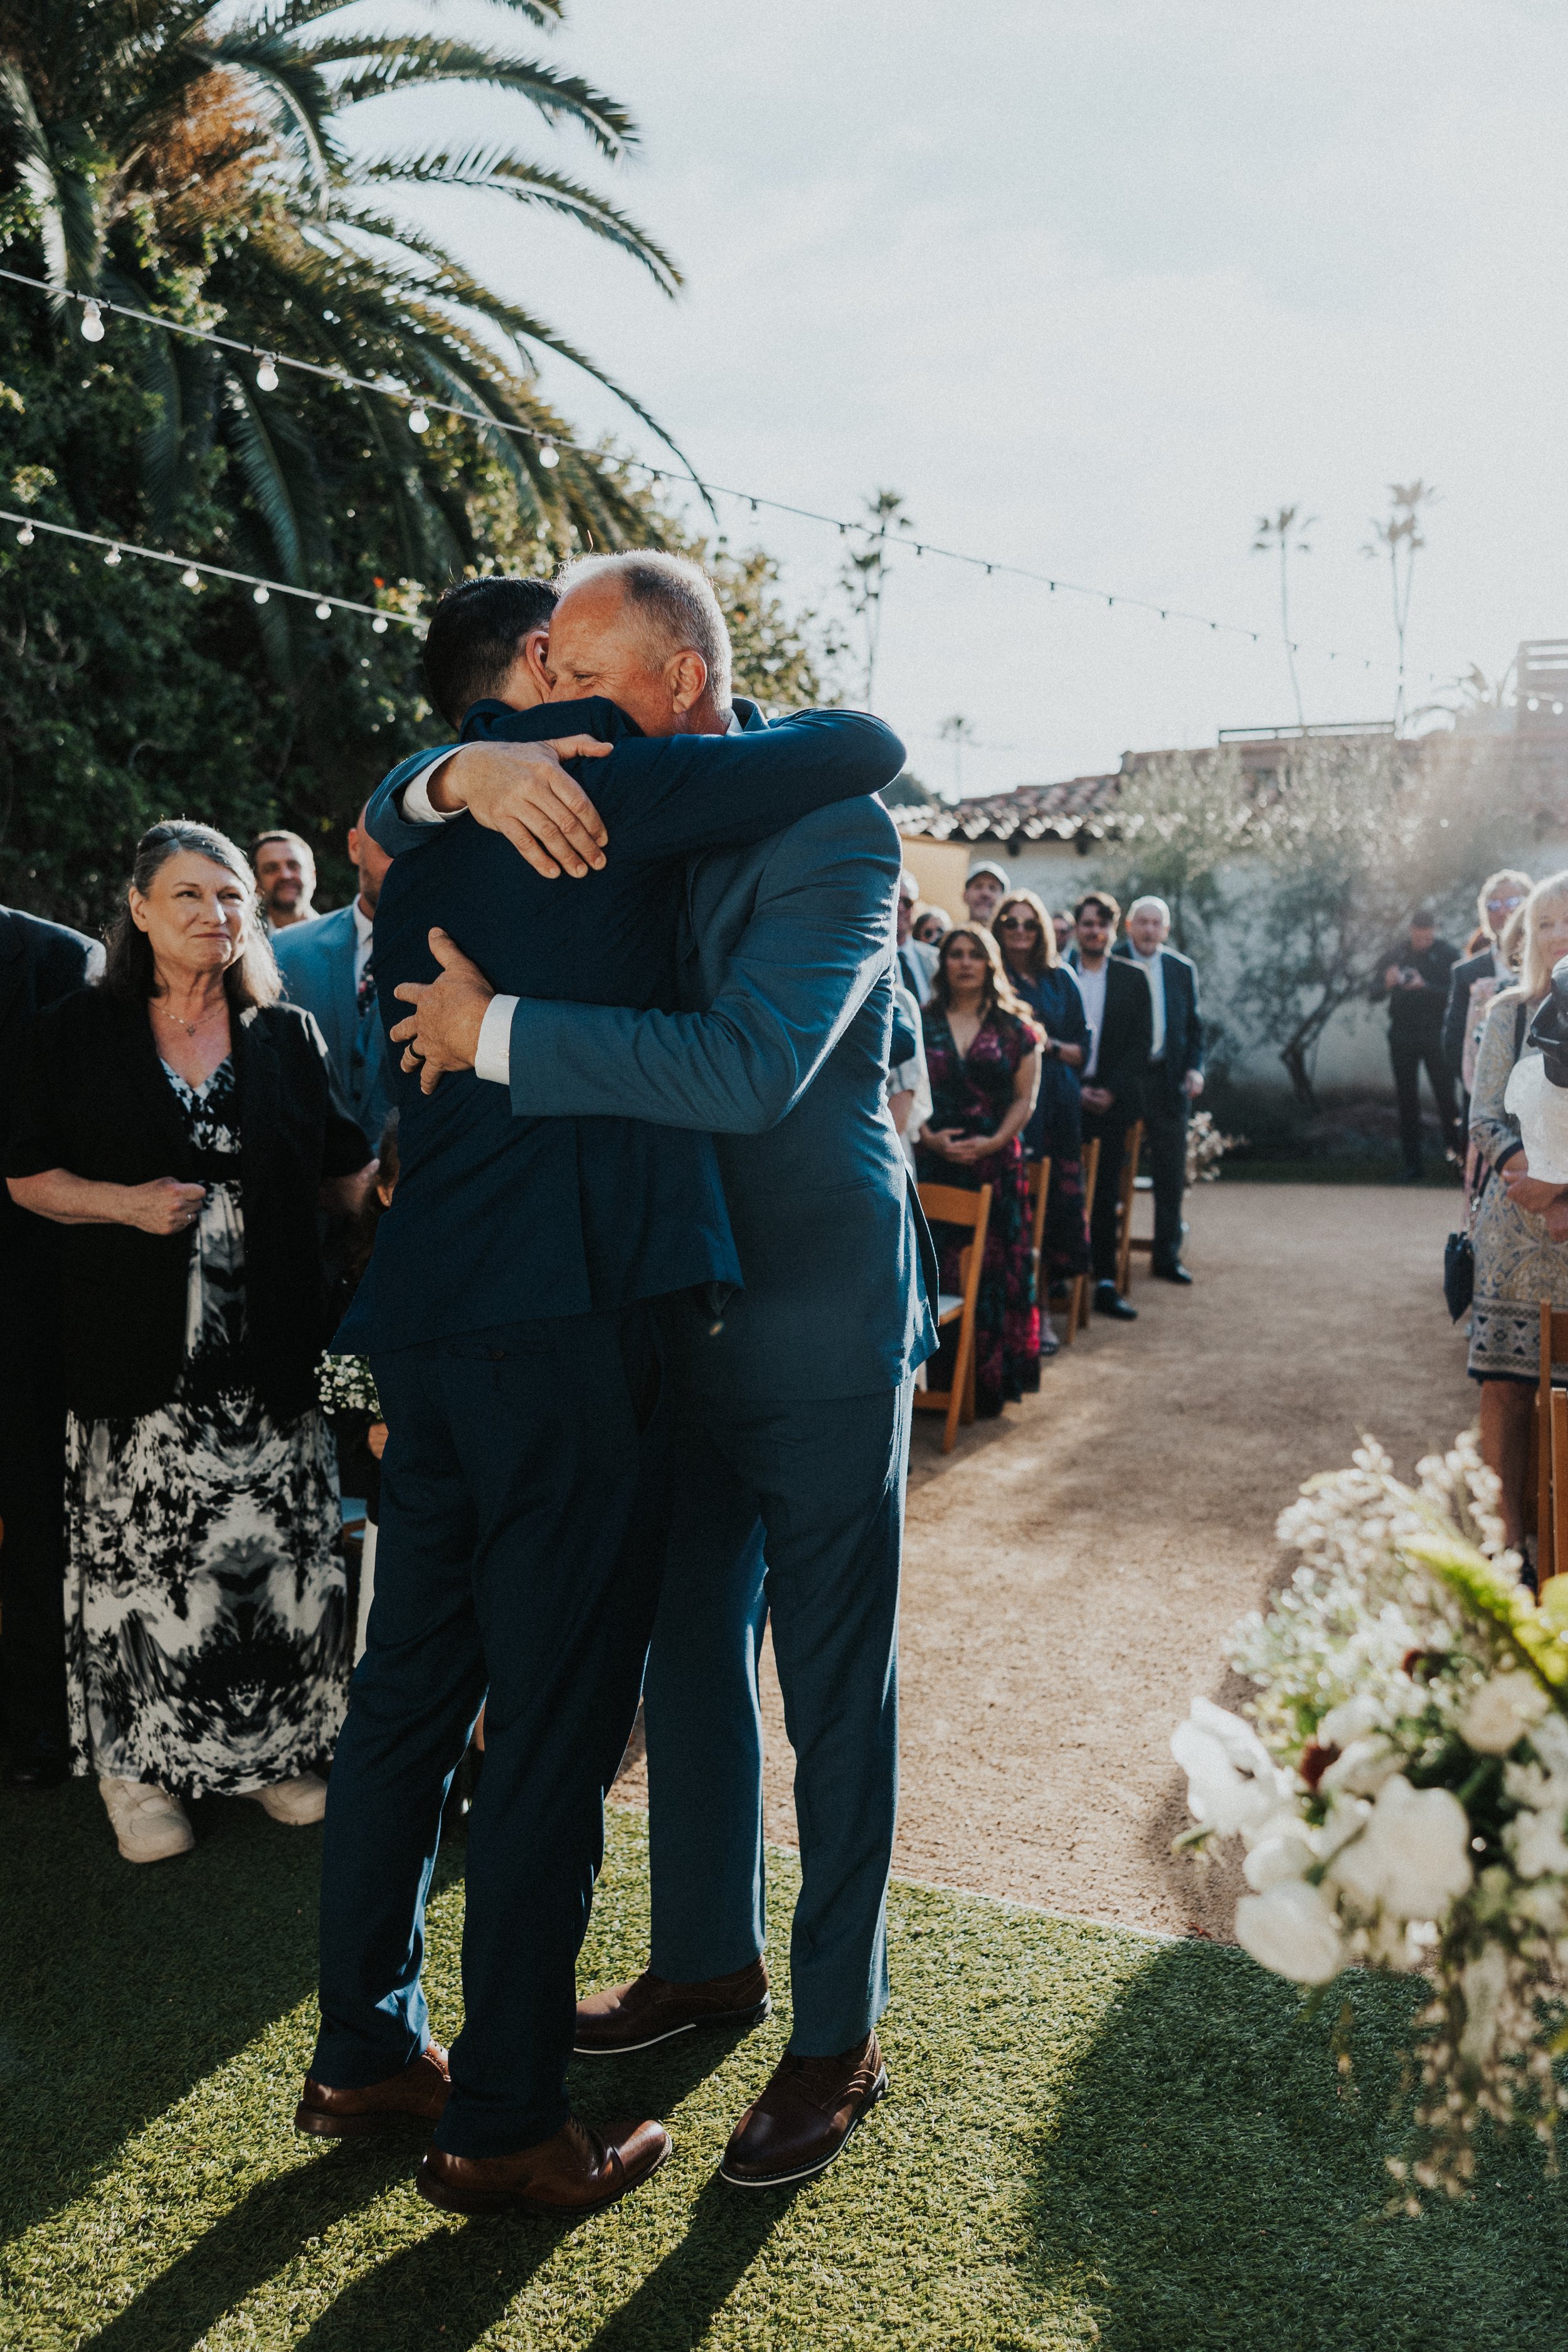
[508,1314]
[38,962]
[328,966]
[1176,1074]
[792,1421]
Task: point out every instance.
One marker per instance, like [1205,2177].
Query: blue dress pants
[794,1510]
[523,1516]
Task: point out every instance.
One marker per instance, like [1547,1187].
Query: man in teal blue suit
[328,966]
[792,1416]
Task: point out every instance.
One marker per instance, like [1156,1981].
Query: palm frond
[528,182]
[265,475]
[544,14]
[300,103]
[417,62]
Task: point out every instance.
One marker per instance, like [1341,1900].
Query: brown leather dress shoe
[575,2172]
[805,2117]
[635,2016]
[418,2095]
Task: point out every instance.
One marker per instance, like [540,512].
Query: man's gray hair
[908,885]
[677,603]
[1157,906]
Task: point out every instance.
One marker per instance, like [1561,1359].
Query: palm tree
[1398,540]
[1281,533]
[865,574]
[179,158]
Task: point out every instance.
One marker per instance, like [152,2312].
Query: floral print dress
[974,1093]
[208,1647]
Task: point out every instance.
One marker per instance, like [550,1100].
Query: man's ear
[686,675]
[534,647]
[353,844]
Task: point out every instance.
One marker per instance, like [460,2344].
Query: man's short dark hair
[1108,907]
[474,636]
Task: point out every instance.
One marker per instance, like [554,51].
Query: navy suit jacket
[497,1218]
[317,961]
[781,1050]
[1183,1049]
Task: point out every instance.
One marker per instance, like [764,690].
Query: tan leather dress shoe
[575,2172]
[805,2117]
[418,2095]
[652,2009]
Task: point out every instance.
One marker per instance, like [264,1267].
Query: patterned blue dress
[207,1646]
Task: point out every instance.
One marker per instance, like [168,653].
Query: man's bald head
[646,630]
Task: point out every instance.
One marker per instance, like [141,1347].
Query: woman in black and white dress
[181,1124]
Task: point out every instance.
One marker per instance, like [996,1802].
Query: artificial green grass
[1092,2138]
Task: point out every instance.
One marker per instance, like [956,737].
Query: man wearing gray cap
[984,892]
[1414,978]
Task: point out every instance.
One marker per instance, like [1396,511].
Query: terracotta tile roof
[1028,813]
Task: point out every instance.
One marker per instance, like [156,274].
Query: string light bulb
[260,596]
[190,577]
[324,612]
[27,535]
[112,557]
[379,624]
[418,420]
[549,454]
[91,323]
[266,373]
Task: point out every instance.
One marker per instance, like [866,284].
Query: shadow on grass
[672,2308]
[1208,2187]
[169,1968]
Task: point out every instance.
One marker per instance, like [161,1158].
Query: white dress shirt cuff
[418,806]
[492,1056]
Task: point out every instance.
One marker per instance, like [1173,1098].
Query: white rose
[1550,1737]
[1352,1719]
[1535,1839]
[1292,1930]
[1285,1853]
[1497,1716]
[1361,1771]
[1413,1857]
[1232,1783]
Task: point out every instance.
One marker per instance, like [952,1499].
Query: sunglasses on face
[1018,923]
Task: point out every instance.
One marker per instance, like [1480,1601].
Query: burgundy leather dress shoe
[806,2118]
[418,2095]
[652,2009]
[575,2172]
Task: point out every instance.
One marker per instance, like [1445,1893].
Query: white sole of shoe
[743,2017]
[809,2172]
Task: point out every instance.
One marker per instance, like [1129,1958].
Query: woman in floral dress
[181,1124]
[983,1060]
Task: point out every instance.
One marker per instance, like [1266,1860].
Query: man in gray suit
[328,966]
[793,1408]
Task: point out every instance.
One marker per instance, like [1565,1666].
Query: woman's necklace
[190,1027]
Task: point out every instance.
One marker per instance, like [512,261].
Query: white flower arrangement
[1206,1146]
[345,1384]
[1402,1792]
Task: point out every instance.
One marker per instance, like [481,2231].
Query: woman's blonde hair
[1535,968]
[1042,956]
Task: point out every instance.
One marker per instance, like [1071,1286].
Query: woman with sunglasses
[1488,966]
[1048,987]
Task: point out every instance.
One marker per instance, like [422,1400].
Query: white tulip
[1497,1716]
[1292,1930]
[1232,1783]
[1361,1771]
[1413,1857]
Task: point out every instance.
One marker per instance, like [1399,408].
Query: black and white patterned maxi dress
[207,1646]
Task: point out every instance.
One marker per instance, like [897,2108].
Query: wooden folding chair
[1078,1288]
[1550,1446]
[1131,1152]
[947,1204]
[1039,1187]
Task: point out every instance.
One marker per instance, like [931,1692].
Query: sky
[1093,284]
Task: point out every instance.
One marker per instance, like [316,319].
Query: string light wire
[550,445]
[262,590]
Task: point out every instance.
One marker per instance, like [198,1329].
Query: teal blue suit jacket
[317,961]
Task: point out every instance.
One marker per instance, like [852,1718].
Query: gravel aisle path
[1072,1569]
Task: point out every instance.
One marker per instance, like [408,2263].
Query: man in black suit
[1414,977]
[1122,1036]
[1502,896]
[1175,1070]
[38,962]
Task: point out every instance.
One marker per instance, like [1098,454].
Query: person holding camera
[1414,979]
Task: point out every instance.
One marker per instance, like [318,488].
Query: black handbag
[1458,1274]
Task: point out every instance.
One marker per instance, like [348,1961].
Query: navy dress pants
[523,1519]
[796,1510]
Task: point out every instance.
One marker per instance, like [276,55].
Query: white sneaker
[149,1824]
[298,1802]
